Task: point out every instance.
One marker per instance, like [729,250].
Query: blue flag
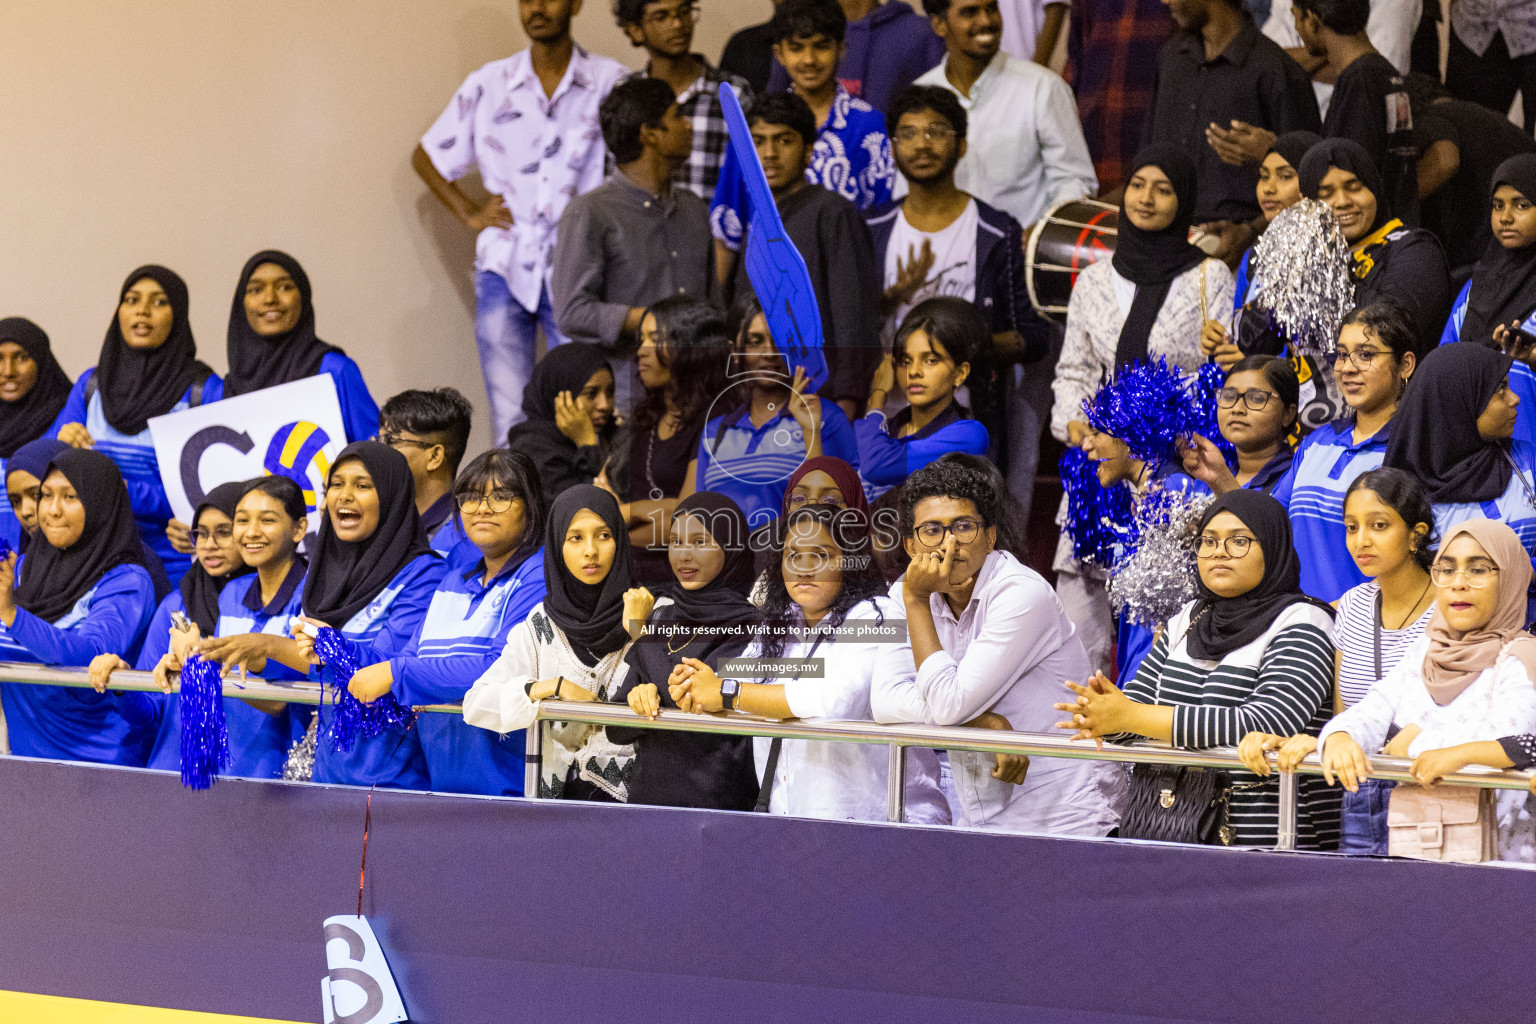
[774,265]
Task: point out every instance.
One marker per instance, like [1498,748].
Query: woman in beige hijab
[1465,684]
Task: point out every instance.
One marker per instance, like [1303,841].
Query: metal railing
[896,738]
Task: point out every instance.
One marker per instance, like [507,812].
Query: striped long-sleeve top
[1281,683]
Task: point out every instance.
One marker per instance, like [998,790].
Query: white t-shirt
[1022,22]
[954,259]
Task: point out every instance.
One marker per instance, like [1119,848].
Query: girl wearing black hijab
[568,417]
[494,579]
[148,367]
[218,561]
[571,647]
[1453,430]
[1251,649]
[707,617]
[33,390]
[272,341]
[1389,260]
[83,591]
[1150,300]
[1501,296]
[371,577]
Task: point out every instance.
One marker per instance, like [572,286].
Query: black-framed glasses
[396,440]
[1235,547]
[221,534]
[1253,398]
[1360,359]
[1478,576]
[684,13]
[932,533]
[930,132]
[497,501]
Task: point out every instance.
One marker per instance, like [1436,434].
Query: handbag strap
[1376,633]
[765,791]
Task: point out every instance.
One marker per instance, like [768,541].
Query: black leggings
[1493,79]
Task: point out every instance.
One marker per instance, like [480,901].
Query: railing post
[896,776]
[1286,838]
[533,757]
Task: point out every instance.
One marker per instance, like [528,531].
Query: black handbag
[1178,805]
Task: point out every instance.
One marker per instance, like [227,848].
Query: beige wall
[196,132]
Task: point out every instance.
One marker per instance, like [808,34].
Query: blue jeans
[1365,819]
[507,336]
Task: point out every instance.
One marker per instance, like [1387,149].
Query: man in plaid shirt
[1113,48]
[664,28]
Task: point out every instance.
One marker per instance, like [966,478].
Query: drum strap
[1202,293]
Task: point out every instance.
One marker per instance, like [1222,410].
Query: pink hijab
[1455,659]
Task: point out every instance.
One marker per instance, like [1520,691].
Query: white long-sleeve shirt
[1009,652]
[847,781]
[536,649]
[1025,147]
[1500,702]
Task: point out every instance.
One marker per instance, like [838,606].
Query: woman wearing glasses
[371,576]
[1462,687]
[1454,433]
[1252,651]
[491,584]
[1372,364]
[1390,531]
[1256,412]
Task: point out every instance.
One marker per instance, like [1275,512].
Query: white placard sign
[357,987]
[292,430]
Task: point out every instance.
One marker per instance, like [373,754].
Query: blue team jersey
[359,412]
[68,722]
[1327,462]
[135,458]
[459,638]
[10,526]
[751,465]
[380,631]
[885,461]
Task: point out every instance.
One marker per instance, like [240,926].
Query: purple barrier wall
[119,885]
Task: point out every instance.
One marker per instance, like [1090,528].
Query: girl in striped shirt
[1252,651]
[1389,529]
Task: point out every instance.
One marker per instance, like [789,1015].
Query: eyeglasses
[930,132]
[1235,547]
[684,14]
[829,498]
[222,534]
[396,440]
[1254,398]
[1360,359]
[1478,576]
[497,501]
[963,530]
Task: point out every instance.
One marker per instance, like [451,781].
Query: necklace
[650,449]
[1411,610]
[685,643]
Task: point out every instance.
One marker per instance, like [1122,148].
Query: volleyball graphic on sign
[297,451]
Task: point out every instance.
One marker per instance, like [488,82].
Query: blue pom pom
[350,717]
[204,737]
[1147,405]
[1097,516]
[1210,380]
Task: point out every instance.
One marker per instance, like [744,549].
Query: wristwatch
[730,690]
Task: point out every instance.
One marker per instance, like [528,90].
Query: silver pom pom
[1301,267]
[300,766]
[1158,578]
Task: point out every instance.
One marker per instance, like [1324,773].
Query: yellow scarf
[1364,257]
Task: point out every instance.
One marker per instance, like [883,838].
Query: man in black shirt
[749,54]
[1370,101]
[832,238]
[1223,92]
